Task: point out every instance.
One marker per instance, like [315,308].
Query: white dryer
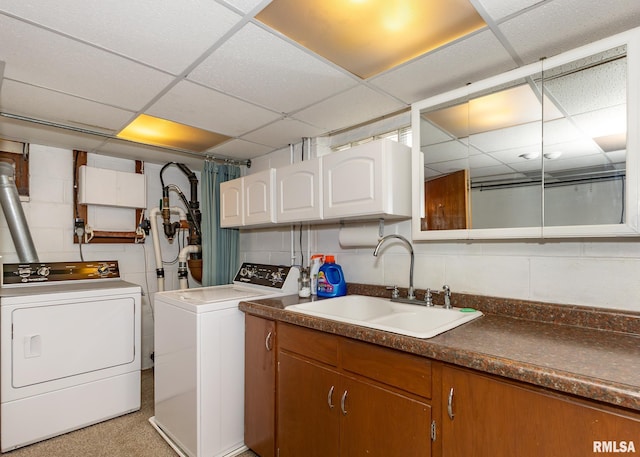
[69,348]
[199,360]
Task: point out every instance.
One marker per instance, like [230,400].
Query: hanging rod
[110,136]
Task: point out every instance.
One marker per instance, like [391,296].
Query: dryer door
[58,340]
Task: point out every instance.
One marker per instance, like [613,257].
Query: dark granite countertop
[582,351]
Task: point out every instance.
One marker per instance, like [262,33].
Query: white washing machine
[199,360]
[69,348]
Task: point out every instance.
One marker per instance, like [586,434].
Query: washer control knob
[24,272]
[103,269]
[44,271]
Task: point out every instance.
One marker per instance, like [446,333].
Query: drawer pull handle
[330,397]
[450,405]
[267,341]
[343,402]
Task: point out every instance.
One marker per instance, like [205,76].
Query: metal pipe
[17,222]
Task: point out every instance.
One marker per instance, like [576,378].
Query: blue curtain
[220,246]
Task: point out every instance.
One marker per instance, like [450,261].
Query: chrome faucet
[410,294]
[447,297]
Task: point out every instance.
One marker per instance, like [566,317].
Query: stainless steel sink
[383,314]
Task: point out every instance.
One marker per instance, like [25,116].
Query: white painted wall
[598,273]
[49,213]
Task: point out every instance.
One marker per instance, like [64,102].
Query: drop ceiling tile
[259,67]
[39,57]
[283,132]
[165,34]
[246,5]
[38,103]
[349,108]
[444,152]
[15,130]
[208,109]
[559,26]
[240,150]
[498,9]
[468,60]
[147,153]
[497,170]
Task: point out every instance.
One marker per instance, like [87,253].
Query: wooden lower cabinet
[495,418]
[260,385]
[326,411]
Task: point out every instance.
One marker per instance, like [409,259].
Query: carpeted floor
[126,436]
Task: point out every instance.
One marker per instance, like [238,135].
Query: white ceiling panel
[46,59]
[124,149]
[245,5]
[559,26]
[260,67]
[499,9]
[351,107]
[32,101]
[288,130]
[472,59]
[208,109]
[165,34]
[240,149]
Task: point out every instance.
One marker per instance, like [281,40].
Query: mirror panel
[539,151]
[584,153]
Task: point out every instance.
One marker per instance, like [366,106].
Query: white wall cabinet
[298,192]
[368,180]
[365,182]
[231,206]
[248,200]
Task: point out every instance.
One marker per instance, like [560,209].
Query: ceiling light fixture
[552,155]
[367,37]
[530,155]
[162,132]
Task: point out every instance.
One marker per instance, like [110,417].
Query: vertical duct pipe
[12,208]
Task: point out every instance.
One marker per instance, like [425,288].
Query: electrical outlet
[79,223]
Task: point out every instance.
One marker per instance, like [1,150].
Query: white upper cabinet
[369,180]
[231,207]
[258,197]
[298,195]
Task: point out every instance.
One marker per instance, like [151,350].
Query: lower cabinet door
[486,417]
[376,422]
[308,405]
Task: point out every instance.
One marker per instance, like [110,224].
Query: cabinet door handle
[330,397]
[343,402]
[450,405]
[267,341]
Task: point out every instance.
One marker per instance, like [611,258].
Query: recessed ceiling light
[162,132]
[530,155]
[366,37]
[552,155]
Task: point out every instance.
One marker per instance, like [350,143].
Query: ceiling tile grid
[211,64]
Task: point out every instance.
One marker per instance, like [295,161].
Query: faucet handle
[395,293]
[428,297]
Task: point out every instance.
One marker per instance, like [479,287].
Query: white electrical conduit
[153,214]
[183,278]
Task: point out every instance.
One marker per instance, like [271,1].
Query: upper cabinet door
[231,203]
[258,197]
[367,180]
[298,192]
[550,149]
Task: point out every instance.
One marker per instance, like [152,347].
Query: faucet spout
[410,294]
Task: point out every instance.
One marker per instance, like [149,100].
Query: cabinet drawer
[404,371]
[309,343]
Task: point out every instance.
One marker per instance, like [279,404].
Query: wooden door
[493,418]
[447,202]
[308,405]
[260,385]
[381,423]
